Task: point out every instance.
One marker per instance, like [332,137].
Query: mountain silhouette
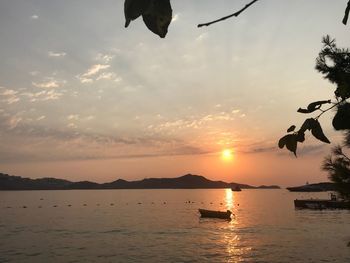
[188,181]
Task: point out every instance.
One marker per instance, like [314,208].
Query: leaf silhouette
[159,17]
[291,128]
[317,104]
[156,14]
[301,137]
[135,8]
[282,142]
[307,125]
[317,132]
[303,110]
[314,106]
[290,141]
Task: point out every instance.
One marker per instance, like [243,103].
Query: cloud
[95,69]
[50,84]
[33,142]
[57,54]
[87,77]
[13,122]
[175,17]
[192,122]
[74,117]
[41,118]
[89,118]
[43,95]
[72,125]
[9,96]
[109,76]
[34,73]
[104,57]
[34,17]
[202,37]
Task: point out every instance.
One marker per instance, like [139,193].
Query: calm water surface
[159,226]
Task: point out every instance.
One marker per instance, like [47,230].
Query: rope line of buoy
[110,204]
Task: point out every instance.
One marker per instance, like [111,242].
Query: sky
[83,98]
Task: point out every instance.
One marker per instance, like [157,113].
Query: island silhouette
[188,181]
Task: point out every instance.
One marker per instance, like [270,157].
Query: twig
[234,14]
[324,111]
[346,16]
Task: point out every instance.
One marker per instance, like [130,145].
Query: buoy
[39,206]
[112,204]
[164,203]
[211,203]
[139,203]
[98,204]
[55,206]
[24,206]
[8,207]
[69,205]
[84,204]
[41,198]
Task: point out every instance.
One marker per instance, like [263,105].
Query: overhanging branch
[234,14]
[346,16]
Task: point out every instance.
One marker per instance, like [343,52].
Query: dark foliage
[338,167]
[334,64]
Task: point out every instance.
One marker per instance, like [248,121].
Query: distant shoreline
[319,187]
[188,181]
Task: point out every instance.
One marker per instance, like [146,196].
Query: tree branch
[346,16]
[324,111]
[234,14]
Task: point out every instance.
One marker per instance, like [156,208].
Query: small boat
[215,214]
[236,189]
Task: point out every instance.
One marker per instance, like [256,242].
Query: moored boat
[215,214]
[332,203]
[236,189]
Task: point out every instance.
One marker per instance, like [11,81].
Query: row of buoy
[112,204]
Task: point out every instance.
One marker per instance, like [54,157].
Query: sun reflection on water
[229,200]
[235,249]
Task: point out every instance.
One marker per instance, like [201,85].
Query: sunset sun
[227,155]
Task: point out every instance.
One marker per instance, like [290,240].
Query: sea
[165,226]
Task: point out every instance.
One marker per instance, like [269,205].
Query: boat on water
[236,189]
[332,203]
[215,214]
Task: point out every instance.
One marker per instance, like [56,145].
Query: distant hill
[320,187]
[189,181]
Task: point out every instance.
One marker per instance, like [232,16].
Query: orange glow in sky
[227,155]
